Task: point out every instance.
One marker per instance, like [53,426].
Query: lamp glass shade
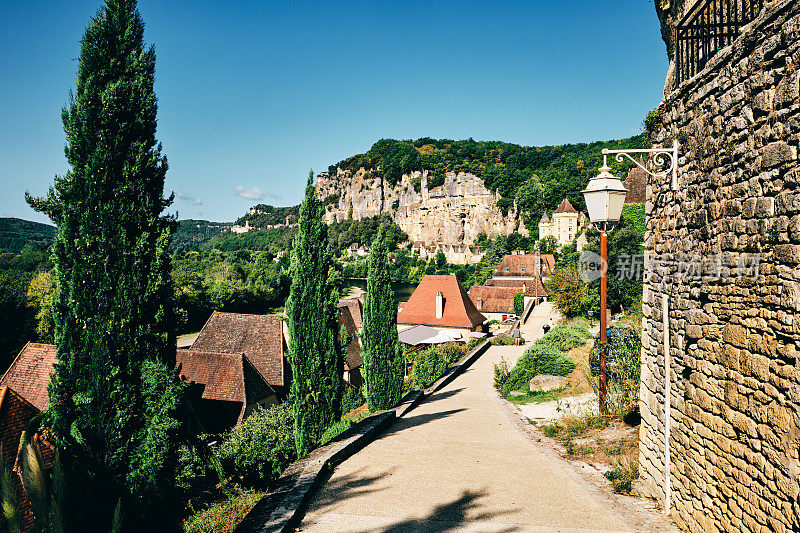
[605,196]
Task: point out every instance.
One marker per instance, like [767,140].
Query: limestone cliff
[453,213]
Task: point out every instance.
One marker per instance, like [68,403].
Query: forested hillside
[262,215]
[191,234]
[15,233]
[537,178]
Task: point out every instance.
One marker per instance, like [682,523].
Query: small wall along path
[284,505]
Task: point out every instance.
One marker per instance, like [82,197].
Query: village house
[495,303]
[566,224]
[441,302]
[227,387]
[532,289]
[261,339]
[523,267]
[350,323]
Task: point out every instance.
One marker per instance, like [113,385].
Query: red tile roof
[532,287]
[353,306]
[258,337]
[459,311]
[494,299]
[29,373]
[221,373]
[524,265]
[565,207]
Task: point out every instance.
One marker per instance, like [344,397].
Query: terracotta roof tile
[221,373]
[494,299]
[459,311]
[29,373]
[258,337]
[565,207]
[524,265]
[531,287]
[350,318]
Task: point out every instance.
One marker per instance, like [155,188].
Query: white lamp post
[605,196]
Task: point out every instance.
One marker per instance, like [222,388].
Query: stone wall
[723,262]
[453,213]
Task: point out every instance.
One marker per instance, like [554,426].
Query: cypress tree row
[314,351]
[114,393]
[383,354]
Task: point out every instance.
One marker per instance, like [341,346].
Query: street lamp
[605,196]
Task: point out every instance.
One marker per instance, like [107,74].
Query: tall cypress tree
[114,393]
[314,351]
[383,354]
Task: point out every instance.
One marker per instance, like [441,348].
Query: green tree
[314,351]
[519,303]
[383,355]
[114,394]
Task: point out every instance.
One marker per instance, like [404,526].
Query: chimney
[439,304]
[537,262]
[524,287]
[479,304]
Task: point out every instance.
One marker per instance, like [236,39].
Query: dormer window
[508,269]
[523,269]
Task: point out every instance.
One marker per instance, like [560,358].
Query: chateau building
[567,223]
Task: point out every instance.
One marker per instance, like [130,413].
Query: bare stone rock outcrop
[453,213]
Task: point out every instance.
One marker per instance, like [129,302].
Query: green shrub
[452,351]
[519,303]
[501,372]
[257,451]
[223,516]
[196,477]
[429,365]
[502,340]
[623,475]
[352,398]
[473,343]
[546,356]
[334,430]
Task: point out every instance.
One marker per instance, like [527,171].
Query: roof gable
[29,373]
[459,311]
[565,207]
[531,287]
[494,299]
[258,337]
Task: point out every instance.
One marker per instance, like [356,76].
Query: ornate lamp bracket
[665,158]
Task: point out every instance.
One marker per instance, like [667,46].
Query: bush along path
[460,461]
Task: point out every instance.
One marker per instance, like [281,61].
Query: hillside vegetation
[15,233]
[536,177]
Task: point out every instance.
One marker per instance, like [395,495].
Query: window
[508,269]
[523,269]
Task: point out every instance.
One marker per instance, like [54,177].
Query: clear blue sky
[254,94]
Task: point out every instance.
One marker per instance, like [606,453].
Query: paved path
[460,462]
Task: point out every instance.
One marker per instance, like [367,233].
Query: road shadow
[443,395]
[408,422]
[343,487]
[450,516]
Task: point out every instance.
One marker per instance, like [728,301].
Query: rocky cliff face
[453,213]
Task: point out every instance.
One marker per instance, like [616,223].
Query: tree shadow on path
[343,487]
[408,422]
[450,516]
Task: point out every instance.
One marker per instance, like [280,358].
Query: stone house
[227,387]
[565,225]
[494,302]
[440,302]
[525,267]
[533,288]
[350,322]
[720,384]
[261,339]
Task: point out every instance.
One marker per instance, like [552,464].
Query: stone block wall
[723,263]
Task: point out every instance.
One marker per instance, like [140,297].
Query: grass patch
[223,516]
[335,429]
[623,475]
[534,397]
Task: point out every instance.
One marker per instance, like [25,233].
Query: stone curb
[280,509]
